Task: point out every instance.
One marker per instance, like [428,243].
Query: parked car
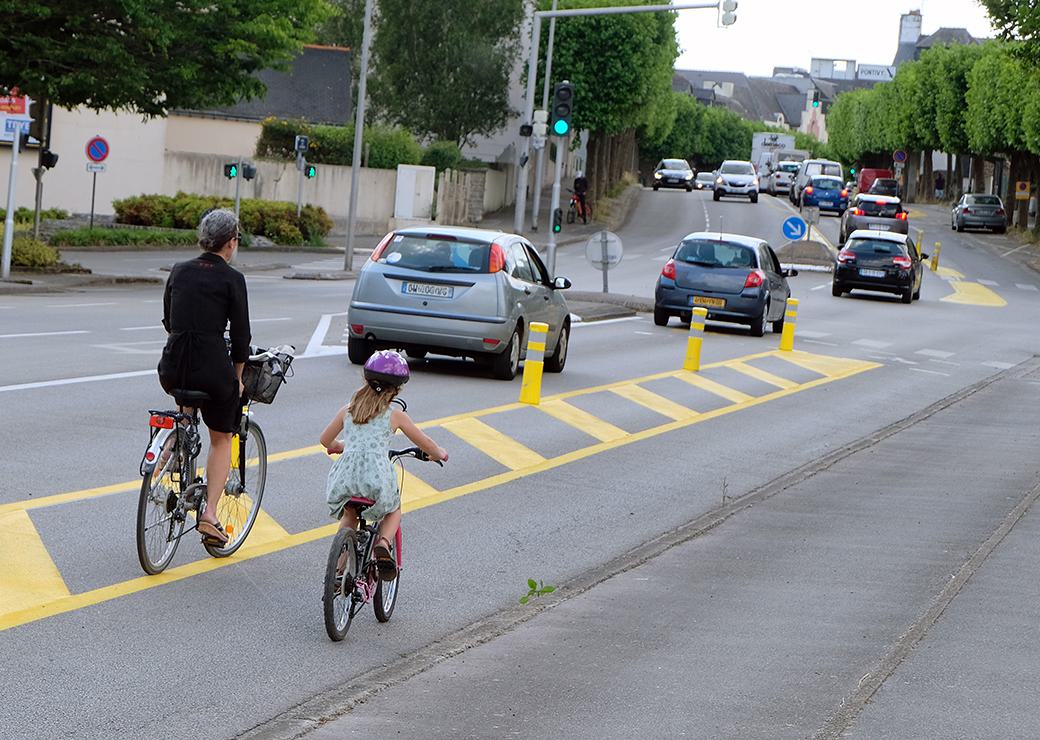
[457,291]
[885,186]
[736,177]
[736,278]
[780,179]
[979,211]
[807,170]
[875,212]
[705,181]
[868,175]
[673,173]
[826,193]
[879,260]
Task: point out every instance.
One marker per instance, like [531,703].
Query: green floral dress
[364,469]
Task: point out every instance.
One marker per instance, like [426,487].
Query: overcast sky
[788,33]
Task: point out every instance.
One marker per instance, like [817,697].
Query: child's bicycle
[172,489]
[347,590]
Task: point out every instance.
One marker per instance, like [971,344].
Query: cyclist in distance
[581,191]
[203,297]
[363,468]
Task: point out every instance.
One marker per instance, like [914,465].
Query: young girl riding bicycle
[363,468]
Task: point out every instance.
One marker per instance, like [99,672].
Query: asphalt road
[225,646]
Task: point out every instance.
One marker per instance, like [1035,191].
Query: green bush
[388,146]
[444,155]
[116,237]
[32,253]
[26,215]
[145,210]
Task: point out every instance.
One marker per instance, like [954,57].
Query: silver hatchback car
[457,291]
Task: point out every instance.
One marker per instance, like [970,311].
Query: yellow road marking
[829,366]
[265,528]
[654,402]
[420,496]
[412,489]
[582,420]
[973,294]
[754,372]
[493,443]
[718,389]
[946,272]
[30,576]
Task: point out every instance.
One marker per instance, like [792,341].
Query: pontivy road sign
[97,149]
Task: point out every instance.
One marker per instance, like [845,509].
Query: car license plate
[703,300]
[426,289]
[872,273]
[826,202]
[880,227]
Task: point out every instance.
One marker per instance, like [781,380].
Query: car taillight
[755,279]
[497,260]
[161,422]
[808,190]
[967,211]
[901,261]
[999,212]
[901,215]
[357,328]
[857,211]
[845,256]
[668,270]
[378,251]
[845,193]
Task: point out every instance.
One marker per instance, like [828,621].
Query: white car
[736,177]
[780,179]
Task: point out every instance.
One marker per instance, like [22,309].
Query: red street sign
[97,149]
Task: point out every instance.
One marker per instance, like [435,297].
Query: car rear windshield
[791,167]
[875,208]
[820,168]
[712,253]
[436,254]
[706,176]
[875,246]
[674,164]
[984,200]
[827,183]
[737,168]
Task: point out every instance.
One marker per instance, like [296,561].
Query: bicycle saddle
[188,398]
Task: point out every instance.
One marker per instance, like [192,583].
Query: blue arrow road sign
[794,228]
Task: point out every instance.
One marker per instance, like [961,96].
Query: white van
[809,169]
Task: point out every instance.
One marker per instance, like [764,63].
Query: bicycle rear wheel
[158,531]
[338,595]
[239,505]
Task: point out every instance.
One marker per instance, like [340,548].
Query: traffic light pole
[524,151]
[540,157]
[359,128]
[554,204]
[238,187]
[5,267]
[301,165]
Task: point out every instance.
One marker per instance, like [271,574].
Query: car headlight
[657,175]
[718,180]
[689,175]
[755,182]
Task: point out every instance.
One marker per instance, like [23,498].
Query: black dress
[203,297]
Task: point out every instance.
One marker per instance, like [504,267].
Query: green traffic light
[557,228]
[561,127]
[312,171]
[233,171]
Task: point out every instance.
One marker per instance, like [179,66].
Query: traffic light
[852,171]
[815,98]
[309,171]
[48,159]
[248,171]
[231,170]
[562,108]
[557,222]
[729,12]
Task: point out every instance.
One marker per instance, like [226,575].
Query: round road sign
[899,156]
[604,250]
[97,149]
[794,228]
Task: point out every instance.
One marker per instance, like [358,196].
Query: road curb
[57,284]
[636,303]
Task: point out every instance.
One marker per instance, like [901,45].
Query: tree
[442,68]
[1017,20]
[149,57]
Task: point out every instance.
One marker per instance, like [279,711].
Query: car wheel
[505,364]
[661,316]
[960,226]
[555,363]
[359,350]
[758,326]
[836,290]
[953,225]
[1001,229]
[754,197]
[907,295]
[715,195]
[655,188]
[689,189]
[917,294]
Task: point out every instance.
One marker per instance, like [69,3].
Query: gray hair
[216,229]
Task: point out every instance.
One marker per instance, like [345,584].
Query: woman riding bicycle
[363,469]
[203,297]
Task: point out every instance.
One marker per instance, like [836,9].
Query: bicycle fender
[151,455]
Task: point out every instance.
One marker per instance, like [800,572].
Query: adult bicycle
[351,574]
[173,492]
[577,209]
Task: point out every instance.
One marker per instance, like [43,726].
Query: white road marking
[663,258]
[821,286]
[813,334]
[946,362]
[872,343]
[999,365]
[606,321]
[934,353]
[72,381]
[142,328]
[260,321]
[152,300]
[930,372]
[902,361]
[42,334]
[1025,286]
[316,347]
[78,305]
[991,283]
[1012,251]
[647,333]
[817,341]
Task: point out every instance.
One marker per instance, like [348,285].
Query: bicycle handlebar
[415,452]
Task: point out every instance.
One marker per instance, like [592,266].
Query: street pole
[603,253]
[93,191]
[359,126]
[238,187]
[301,163]
[540,157]
[550,250]
[5,269]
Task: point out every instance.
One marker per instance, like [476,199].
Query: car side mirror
[561,283]
[923,256]
[789,272]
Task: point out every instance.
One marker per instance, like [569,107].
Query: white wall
[209,135]
[496,192]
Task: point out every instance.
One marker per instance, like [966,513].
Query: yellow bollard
[693,342]
[790,322]
[531,387]
[935,256]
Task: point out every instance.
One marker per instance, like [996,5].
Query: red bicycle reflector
[755,278]
[149,456]
[161,422]
[668,270]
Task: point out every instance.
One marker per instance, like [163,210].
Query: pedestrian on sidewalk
[940,186]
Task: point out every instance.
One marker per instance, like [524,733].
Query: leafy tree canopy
[147,56]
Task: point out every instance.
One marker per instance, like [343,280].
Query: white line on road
[999,365]
[930,372]
[606,321]
[821,286]
[260,321]
[813,334]
[946,362]
[1012,251]
[142,328]
[316,344]
[990,283]
[818,341]
[934,353]
[872,343]
[1025,286]
[42,334]
[72,381]
[646,333]
[78,305]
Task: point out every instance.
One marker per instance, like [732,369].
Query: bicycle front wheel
[158,529]
[240,503]
[338,595]
[385,598]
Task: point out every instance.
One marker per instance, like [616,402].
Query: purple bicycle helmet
[385,369]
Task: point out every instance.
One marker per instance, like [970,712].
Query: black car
[673,173]
[879,260]
[736,278]
[885,186]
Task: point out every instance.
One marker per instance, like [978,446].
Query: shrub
[444,155]
[26,215]
[388,146]
[116,237]
[32,253]
[145,210]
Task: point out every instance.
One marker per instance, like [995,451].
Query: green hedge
[116,237]
[25,215]
[32,253]
[444,155]
[388,146]
[276,220]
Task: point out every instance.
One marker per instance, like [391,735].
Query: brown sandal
[385,562]
[212,533]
